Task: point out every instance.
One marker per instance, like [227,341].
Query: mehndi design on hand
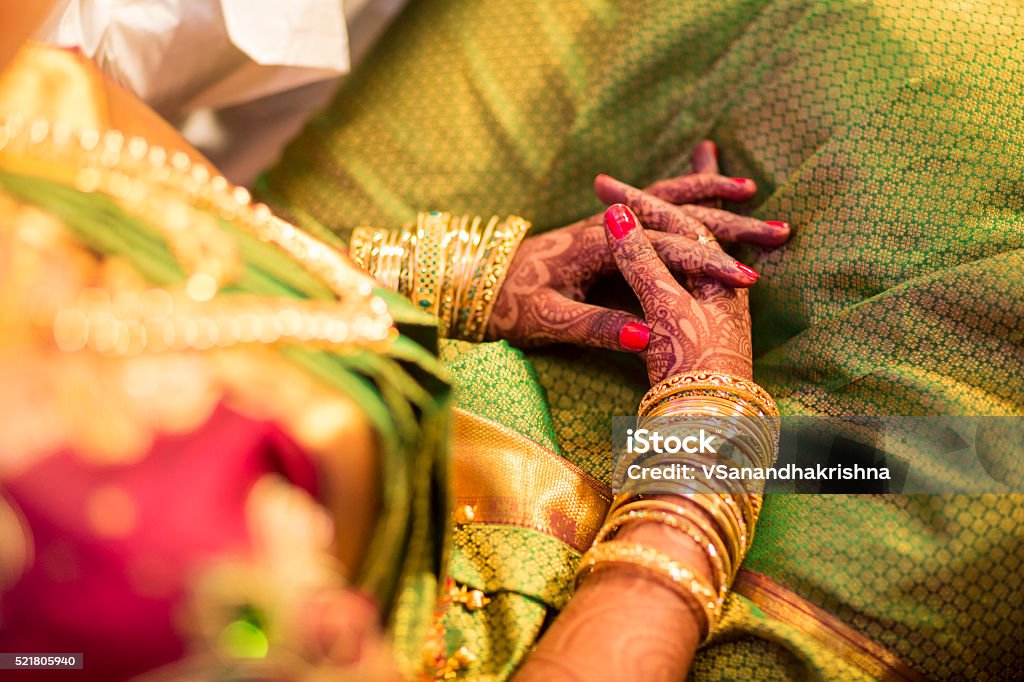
[542,300]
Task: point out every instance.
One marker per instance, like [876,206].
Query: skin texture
[621,624]
[705,326]
[542,300]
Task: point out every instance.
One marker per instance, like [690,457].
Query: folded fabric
[181,55]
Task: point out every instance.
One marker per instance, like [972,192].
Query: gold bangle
[690,403]
[730,562]
[451,251]
[711,404]
[688,585]
[732,530]
[736,508]
[407,265]
[429,271]
[679,522]
[733,527]
[450,267]
[491,275]
[392,259]
[709,380]
[474,276]
[372,250]
[469,239]
[749,436]
[359,246]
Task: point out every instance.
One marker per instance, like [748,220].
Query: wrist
[670,542]
[694,539]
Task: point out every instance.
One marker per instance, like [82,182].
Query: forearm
[622,624]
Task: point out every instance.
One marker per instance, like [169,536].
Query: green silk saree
[887,132]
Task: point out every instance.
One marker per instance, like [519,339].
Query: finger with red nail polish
[634,336]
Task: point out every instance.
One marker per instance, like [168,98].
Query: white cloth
[182,55]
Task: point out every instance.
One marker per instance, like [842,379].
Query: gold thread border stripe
[782,604]
[513,480]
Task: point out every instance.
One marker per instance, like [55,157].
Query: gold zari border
[510,479]
[784,605]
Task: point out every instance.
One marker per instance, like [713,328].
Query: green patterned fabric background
[888,132]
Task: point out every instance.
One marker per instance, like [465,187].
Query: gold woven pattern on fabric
[585,389]
[512,480]
[748,644]
[885,131]
[496,382]
[936,579]
[500,635]
[788,607]
[494,558]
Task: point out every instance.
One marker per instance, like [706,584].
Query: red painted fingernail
[778,225]
[714,149]
[739,181]
[620,220]
[748,271]
[635,336]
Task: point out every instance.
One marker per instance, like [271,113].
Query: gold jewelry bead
[163,186]
[473,600]
[465,514]
[464,657]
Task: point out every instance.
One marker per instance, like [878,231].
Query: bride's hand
[542,300]
[704,326]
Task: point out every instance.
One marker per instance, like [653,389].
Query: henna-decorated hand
[704,328]
[704,325]
[542,300]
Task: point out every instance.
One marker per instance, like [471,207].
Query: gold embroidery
[60,297]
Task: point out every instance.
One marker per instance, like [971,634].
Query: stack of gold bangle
[450,266]
[382,253]
[719,519]
[717,392]
[674,575]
